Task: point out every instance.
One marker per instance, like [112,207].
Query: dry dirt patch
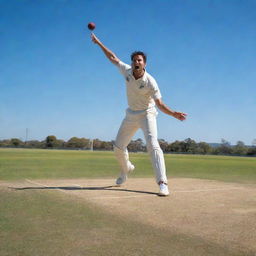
[223,213]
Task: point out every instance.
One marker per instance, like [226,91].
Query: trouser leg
[149,128]
[124,136]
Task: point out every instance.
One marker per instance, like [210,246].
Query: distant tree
[5,143]
[59,144]
[163,144]
[240,148]
[251,151]
[137,145]
[16,142]
[50,141]
[186,146]
[175,147]
[203,148]
[97,144]
[190,146]
[106,145]
[224,148]
[75,142]
[34,144]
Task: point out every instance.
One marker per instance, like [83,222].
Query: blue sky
[55,81]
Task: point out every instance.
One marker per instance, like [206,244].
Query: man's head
[139,60]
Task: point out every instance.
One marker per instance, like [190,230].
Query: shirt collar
[143,78]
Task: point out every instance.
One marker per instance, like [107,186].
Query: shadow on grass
[105,188]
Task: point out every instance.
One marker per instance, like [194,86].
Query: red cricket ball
[91,26]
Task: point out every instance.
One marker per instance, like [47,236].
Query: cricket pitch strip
[220,212]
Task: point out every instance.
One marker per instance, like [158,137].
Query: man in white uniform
[142,94]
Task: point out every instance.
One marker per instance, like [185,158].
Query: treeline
[224,148]
[52,142]
[187,146]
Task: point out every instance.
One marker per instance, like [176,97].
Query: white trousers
[146,120]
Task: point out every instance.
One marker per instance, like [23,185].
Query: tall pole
[91,144]
[26,135]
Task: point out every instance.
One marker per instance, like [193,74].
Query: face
[138,63]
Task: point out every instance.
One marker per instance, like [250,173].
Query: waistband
[144,111]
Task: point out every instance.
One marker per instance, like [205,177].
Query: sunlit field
[36,163]
[65,220]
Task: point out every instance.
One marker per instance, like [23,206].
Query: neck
[138,73]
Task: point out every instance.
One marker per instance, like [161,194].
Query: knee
[119,151]
[119,145]
[152,144]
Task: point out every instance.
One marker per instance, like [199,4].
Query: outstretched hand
[180,115]
[95,39]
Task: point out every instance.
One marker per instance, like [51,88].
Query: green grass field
[53,223]
[35,164]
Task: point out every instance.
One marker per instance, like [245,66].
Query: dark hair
[139,53]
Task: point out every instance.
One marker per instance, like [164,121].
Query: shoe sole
[163,195]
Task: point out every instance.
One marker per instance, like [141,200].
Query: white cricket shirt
[142,92]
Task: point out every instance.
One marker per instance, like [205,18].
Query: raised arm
[109,54]
[164,108]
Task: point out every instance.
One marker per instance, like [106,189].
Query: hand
[179,115]
[95,39]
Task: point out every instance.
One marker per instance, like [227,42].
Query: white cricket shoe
[123,176]
[164,191]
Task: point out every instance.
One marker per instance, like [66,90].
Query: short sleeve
[155,92]
[123,68]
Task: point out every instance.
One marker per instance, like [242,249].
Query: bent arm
[109,54]
[164,108]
